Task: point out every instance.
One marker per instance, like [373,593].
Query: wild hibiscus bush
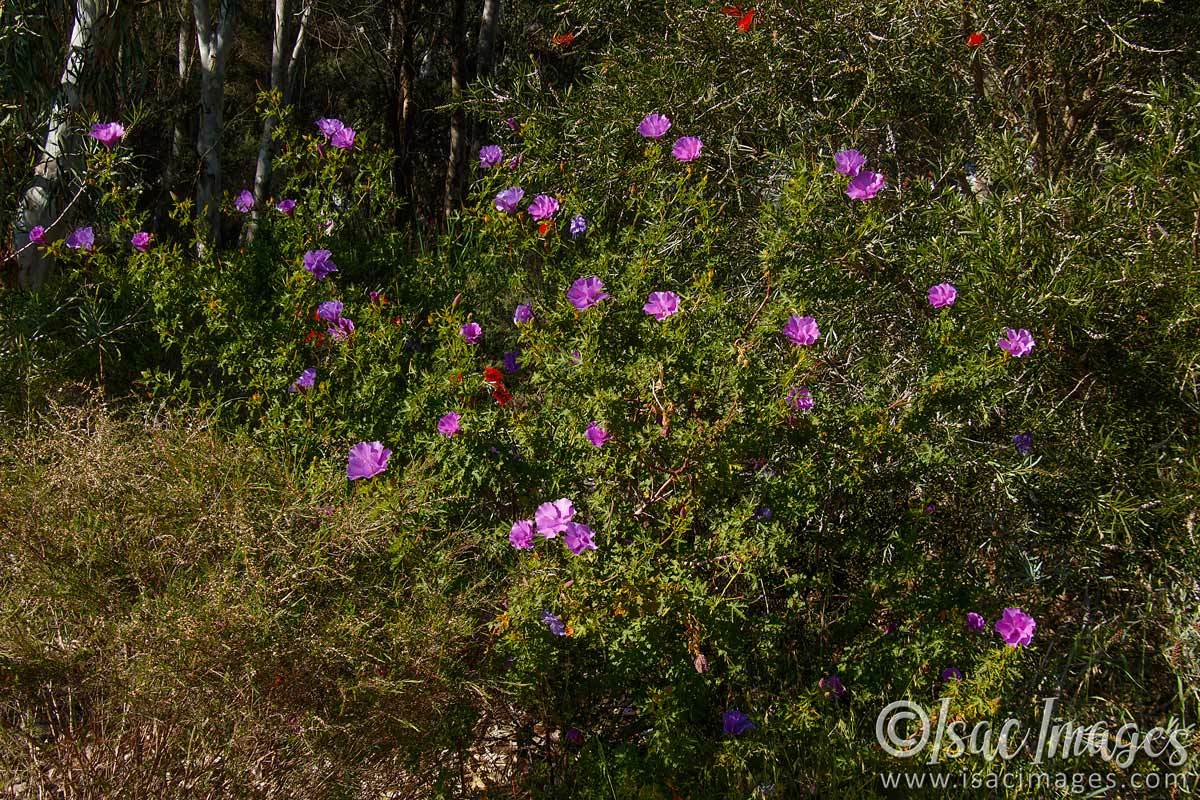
[721,428]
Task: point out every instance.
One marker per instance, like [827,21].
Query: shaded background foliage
[194,584]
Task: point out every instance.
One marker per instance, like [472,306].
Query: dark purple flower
[849,162]
[952,674]
[1015,627]
[865,185]
[508,200]
[307,380]
[653,126]
[555,624]
[107,133]
[942,295]
[490,155]
[596,435]
[471,332]
[343,139]
[510,360]
[329,126]
[586,292]
[736,723]
[543,207]
[661,305]
[975,622]
[244,201]
[579,538]
[140,241]
[37,234]
[1024,443]
[763,514]
[524,313]
[832,685]
[1016,343]
[286,206]
[341,329]
[449,424]
[801,330]
[367,459]
[81,239]
[576,357]
[521,534]
[573,736]
[515,161]
[329,311]
[578,226]
[687,148]
[512,124]
[319,263]
[799,398]
[553,518]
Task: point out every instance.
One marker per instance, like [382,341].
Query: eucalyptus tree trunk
[285,52]
[179,137]
[456,163]
[213,38]
[402,109]
[35,206]
[489,21]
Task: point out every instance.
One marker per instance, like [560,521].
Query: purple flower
[736,723]
[942,295]
[343,139]
[307,380]
[329,311]
[330,126]
[1016,343]
[661,305]
[367,459]
[952,674]
[524,313]
[586,292]
[576,357]
[553,518]
[800,398]
[449,424]
[975,622]
[1015,627]
[865,185]
[471,332]
[510,360]
[579,538]
[801,330]
[140,241]
[573,736]
[515,161]
[687,148]
[341,329]
[763,513]
[521,535]
[244,201]
[508,199]
[543,207]
[512,124]
[319,263]
[596,435]
[286,206]
[1024,443]
[833,685]
[81,239]
[578,226]
[654,125]
[555,624]
[849,162]
[108,133]
[327,226]
[490,155]
[37,235]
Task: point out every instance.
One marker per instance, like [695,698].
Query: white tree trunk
[212,43]
[35,206]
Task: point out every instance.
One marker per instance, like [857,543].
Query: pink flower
[1016,343]
[367,459]
[586,292]
[343,139]
[449,424]
[687,148]
[1016,627]
[661,305]
[801,330]
[140,241]
[849,162]
[472,332]
[942,295]
[521,535]
[37,234]
[654,125]
[107,133]
[543,207]
[596,435]
[579,538]
[865,185]
[553,518]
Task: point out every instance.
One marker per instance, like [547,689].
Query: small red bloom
[543,227]
[493,376]
[503,396]
[746,21]
[563,39]
[975,39]
[314,336]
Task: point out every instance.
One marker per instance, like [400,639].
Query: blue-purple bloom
[799,398]
[832,685]
[490,155]
[367,459]
[735,723]
[341,329]
[307,380]
[508,199]
[555,624]
[286,206]
[653,126]
[687,148]
[37,234]
[952,674]
[329,311]
[578,226]
[81,239]
[586,292]
[524,313]
[343,139]
[510,360]
[329,126]
[319,263]
[244,201]
[1024,443]
[661,305]
[975,622]
[579,538]
[472,332]
[521,534]
[543,206]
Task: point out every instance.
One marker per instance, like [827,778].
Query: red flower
[563,39]
[493,376]
[543,227]
[314,336]
[975,39]
[503,396]
[746,21]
